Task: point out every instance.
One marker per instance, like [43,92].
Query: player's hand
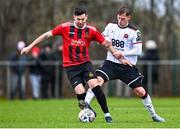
[118,54]
[25,50]
[126,62]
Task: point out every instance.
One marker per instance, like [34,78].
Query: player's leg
[77,82]
[92,81]
[89,94]
[96,89]
[14,85]
[146,99]
[103,73]
[80,91]
[133,79]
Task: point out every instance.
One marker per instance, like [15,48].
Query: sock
[107,114]
[148,104]
[100,98]
[81,96]
[89,96]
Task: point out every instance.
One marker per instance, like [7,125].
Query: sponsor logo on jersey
[77,42]
[138,36]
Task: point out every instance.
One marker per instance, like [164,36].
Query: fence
[169,84]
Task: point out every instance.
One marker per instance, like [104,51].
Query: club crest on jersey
[86,35]
[126,36]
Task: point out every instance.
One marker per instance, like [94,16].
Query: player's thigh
[89,74]
[74,77]
[131,77]
[106,72]
[76,80]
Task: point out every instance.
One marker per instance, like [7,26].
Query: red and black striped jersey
[76,42]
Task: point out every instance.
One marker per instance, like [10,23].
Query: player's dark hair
[124,10]
[79,10]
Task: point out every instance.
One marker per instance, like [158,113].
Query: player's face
[80,20]
[123,19]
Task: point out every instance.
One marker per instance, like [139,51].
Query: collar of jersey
[78,27]
[122,27]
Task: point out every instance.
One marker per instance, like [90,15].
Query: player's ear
[117,17]
[86,17]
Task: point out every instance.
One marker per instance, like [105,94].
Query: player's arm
[136,49]
[36,41]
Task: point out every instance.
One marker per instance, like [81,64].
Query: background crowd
[42,71]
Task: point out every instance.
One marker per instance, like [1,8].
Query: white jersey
[127,40]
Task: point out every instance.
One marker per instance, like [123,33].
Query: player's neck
[79,27]
[123,26]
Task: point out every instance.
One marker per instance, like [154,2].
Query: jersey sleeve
[58,30]
[106,31]
[98,37]
[137,37]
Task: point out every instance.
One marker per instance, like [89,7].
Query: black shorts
[81,73]
[129,75]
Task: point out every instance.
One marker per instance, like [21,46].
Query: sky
[146,4]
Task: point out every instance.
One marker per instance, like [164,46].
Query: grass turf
[126,113]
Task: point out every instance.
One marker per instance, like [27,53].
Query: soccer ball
[86,115]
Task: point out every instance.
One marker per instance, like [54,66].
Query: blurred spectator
[17,69]
[48,72]
[35,72]
[58,57]
[151,54]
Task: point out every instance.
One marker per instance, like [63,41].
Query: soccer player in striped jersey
[127,40]
[77,36]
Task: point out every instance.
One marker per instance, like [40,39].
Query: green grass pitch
[63,113]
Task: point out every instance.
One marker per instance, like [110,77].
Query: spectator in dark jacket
[17,69]
[48,72]
[151,54]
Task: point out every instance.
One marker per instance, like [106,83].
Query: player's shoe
[108,119]
[157,118]
[83,105]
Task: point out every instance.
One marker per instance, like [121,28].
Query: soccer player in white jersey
[127,40]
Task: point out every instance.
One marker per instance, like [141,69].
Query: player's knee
[139,91]
[100,80]
[79,89]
